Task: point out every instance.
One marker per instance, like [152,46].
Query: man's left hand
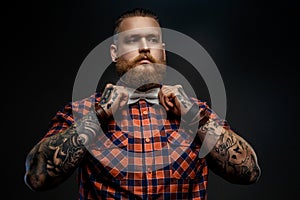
[174,99]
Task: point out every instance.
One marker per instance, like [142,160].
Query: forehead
[139,25]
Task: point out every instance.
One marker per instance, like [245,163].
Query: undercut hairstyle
[136,12]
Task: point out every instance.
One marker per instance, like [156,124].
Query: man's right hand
[113,98]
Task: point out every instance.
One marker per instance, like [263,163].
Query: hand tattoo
[106,95]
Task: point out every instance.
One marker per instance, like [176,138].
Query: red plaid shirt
[129,159]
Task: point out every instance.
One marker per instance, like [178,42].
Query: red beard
[143,76]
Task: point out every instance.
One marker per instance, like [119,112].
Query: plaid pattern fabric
[142,154]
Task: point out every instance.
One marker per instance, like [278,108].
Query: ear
[113,52]
[164,51]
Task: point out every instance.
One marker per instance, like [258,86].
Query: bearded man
[135,140]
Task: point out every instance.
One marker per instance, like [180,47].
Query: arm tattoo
[54,159]
[106,95]
[231,157]
[65,152]
[108,98]
[109,104]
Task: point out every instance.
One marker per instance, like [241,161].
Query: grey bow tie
[150,96]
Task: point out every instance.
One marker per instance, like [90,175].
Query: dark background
[251,42]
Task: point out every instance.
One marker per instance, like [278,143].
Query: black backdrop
[251,42]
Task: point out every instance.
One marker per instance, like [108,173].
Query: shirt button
[107,143]
[149,174]
[145,112]
[147,140]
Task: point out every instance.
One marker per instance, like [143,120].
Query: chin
[145,66]
[143,76]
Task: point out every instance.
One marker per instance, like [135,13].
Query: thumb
[123,99]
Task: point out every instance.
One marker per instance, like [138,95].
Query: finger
[162,101]
[124,98]
[172,98]
[108,85]
[168,100]
[168,97]
[166,90]
[177,104]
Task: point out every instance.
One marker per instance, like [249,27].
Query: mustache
[144,56]
[123,65]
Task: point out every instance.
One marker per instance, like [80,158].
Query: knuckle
[108,85]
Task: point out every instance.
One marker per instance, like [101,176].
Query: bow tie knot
[150,96]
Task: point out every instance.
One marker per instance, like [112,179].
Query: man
[137,139]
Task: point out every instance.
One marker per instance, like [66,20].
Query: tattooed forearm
[64,151]
[104,108]
[231,156]
[55,158]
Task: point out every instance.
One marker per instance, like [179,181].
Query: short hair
[136,12]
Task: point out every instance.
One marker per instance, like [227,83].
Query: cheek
[129,56]
[127,52]
[157,54]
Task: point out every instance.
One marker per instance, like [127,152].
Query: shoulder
[83,106]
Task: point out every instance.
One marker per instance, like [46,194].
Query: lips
[145,61]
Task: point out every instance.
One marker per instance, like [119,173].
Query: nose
[144,47]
